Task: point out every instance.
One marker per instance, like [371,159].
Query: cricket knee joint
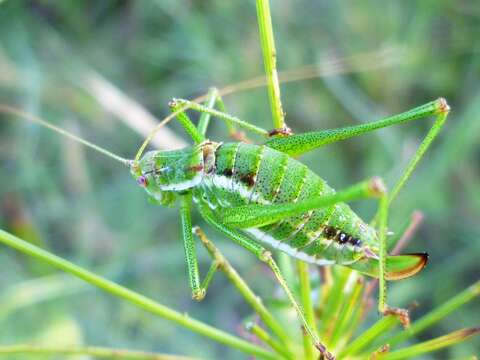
[265,256]
[196,230]
[174,103]
[443,106]
[402,315]
[285,131]
[198,295]
[377,187]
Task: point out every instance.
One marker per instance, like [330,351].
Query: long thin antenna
[30,117]
[165,121]
[360,62]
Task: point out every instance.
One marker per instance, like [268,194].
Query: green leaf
[431,345]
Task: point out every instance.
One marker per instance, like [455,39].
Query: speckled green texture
[301,143]
[253,174]
[270,174]
[239,174]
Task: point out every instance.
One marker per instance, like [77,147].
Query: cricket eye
[142,181]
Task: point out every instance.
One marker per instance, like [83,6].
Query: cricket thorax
[239,174]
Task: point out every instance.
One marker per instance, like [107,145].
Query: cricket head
[165,174]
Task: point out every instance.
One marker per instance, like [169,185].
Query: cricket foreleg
[215,100]
[229,119]
[184,120]
[204,121]
[266,257]
[198,289]
[216,263]
[295,145]
[256,215]
[197,134]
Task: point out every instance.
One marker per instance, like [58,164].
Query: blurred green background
[66,61]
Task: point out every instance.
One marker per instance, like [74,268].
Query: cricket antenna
[152,134]
[162,123]
[384,57]
[7,109]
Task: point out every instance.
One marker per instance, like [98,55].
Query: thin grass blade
[441,342]
[437,314]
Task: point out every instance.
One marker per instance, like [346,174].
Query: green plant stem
[306,300]
[267,339]
[31,292]
[254,301]
[436,315]
[335,298]
[380,327]
[270,61]
[382,231]
[136,299]
[353,324]
[344,319]
[99,352]
[414,351]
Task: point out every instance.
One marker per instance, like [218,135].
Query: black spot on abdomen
[339,236]
[227,172]
[248,179]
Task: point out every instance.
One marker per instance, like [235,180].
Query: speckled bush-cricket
[261,195]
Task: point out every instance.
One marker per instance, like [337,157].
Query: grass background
[84,207]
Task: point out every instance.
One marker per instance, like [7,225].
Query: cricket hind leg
[383,308]
[257,215]
[385,202]
[266,257]
[295,145]
[215,265]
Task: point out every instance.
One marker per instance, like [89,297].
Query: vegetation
[55,58]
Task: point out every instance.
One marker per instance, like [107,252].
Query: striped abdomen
[243,173]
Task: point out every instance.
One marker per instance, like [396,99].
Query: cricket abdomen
[244,173]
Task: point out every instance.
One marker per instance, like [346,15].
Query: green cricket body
[257,194]
[229,175]
[268,196]
[245,174]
